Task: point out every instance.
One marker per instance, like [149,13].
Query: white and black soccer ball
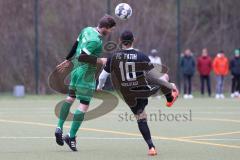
[123,11]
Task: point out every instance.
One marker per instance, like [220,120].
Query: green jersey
[90,42]
[83,75]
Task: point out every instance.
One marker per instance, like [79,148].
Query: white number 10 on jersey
[126,75]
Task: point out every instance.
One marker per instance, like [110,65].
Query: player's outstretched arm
[66,63]
[92,59]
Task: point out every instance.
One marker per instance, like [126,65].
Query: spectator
[188,69]
[220,68]
[154,58]
[235,70]
[204,65]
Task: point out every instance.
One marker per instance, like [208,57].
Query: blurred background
[36,35]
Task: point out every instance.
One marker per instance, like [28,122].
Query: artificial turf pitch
[205,128]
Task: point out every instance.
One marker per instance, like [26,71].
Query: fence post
[36,63]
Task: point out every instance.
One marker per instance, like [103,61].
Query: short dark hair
[221,51]
[127,37]
[107,21]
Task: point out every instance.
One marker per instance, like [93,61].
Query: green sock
[77,121]
[63,114]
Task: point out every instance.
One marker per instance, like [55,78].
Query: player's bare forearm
[92,59]
[102,61]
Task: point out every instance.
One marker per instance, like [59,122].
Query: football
[123,11]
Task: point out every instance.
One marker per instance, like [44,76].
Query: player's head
[153,52]
[106,25]
[188,52]
[237,52]
[127,39]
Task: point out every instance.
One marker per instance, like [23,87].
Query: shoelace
[73,144]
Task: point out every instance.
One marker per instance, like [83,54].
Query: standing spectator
[154,58]
[220,68]
[204,65]
[235,70]
[188,69]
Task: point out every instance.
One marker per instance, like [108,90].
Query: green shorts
[83,82]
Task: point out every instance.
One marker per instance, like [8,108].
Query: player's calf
[62,117]
[141,117]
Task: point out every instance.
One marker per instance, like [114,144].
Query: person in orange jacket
[220,68]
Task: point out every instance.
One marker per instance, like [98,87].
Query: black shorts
[73,95]
[140,106]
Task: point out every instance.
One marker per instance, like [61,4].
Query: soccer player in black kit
[134,77]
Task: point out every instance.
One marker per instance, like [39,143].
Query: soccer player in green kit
[83,81]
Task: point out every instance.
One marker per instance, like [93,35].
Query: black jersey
[128,68]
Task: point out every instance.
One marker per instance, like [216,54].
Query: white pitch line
[218,139]
[83,138]
[27,137]
[182,112]
[220,113]
[121,138]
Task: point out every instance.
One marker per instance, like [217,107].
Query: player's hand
[98,89]
[62,66]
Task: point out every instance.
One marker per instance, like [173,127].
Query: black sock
[143,127]
[169,97]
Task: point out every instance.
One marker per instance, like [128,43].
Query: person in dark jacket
[204,66]
[235,70]
[188,69]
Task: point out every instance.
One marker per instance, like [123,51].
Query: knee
[165,77]
[83,107]
[70,99]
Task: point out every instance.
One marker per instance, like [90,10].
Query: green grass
[28,124]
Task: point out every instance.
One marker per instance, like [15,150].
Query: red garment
[220,65]
[204,65]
